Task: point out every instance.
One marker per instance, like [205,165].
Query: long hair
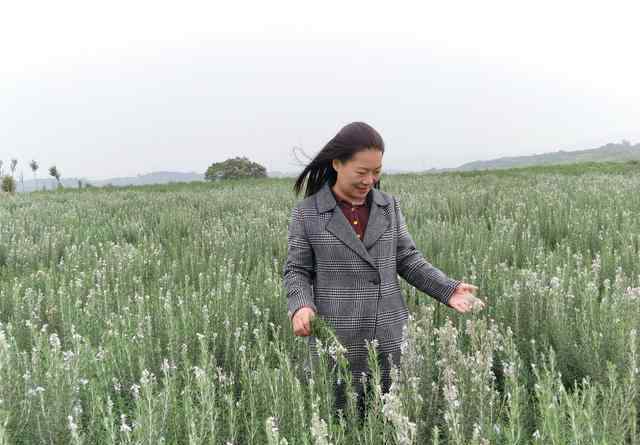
[351,139]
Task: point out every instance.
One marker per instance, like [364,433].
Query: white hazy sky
[116,88]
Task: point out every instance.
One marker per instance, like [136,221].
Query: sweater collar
[326,199]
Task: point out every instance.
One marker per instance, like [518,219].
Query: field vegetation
[157,315]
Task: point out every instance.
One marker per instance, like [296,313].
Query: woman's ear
[336,164]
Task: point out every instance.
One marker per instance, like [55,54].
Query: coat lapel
[379,221]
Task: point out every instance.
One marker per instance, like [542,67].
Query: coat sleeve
[411,265]
[299,269]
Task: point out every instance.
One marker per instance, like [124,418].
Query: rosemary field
[157,315]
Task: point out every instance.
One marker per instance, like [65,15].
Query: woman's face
[358,175]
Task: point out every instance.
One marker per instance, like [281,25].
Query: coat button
[375,281]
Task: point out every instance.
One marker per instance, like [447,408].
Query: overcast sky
[104,89]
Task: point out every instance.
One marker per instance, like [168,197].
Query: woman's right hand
[301,321]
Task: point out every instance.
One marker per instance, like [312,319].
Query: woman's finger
[470,287]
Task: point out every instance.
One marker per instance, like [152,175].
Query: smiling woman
[357,176]
[347,244]
[345,152]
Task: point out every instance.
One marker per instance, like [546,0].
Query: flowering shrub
[157,315]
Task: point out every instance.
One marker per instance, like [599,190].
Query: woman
[347,244]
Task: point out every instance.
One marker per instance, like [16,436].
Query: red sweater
[357,215]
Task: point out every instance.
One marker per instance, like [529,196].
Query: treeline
[233,168]
[8,181]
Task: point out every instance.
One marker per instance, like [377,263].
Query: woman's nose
[367,180]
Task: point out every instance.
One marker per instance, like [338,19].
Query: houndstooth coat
[353,284]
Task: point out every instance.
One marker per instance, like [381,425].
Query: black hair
[351,139]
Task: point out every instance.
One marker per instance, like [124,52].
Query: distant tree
[34,167]
[1,167]
[14,164]
[239,167]
[53,171]
[22,180]
[8,184]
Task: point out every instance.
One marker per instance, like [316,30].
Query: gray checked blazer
[353,284]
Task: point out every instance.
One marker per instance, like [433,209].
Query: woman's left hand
[463,300]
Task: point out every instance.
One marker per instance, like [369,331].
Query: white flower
[392,410]
[123,424]
[509,370]
[135,389]
[273,435]
[54,341]
[4,345]
[167,366]
[147,378]
[319,430]
[272,425]
[73,427]
[633,293]
[199,373]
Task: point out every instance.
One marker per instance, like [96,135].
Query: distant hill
[623,151]
[149,178]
